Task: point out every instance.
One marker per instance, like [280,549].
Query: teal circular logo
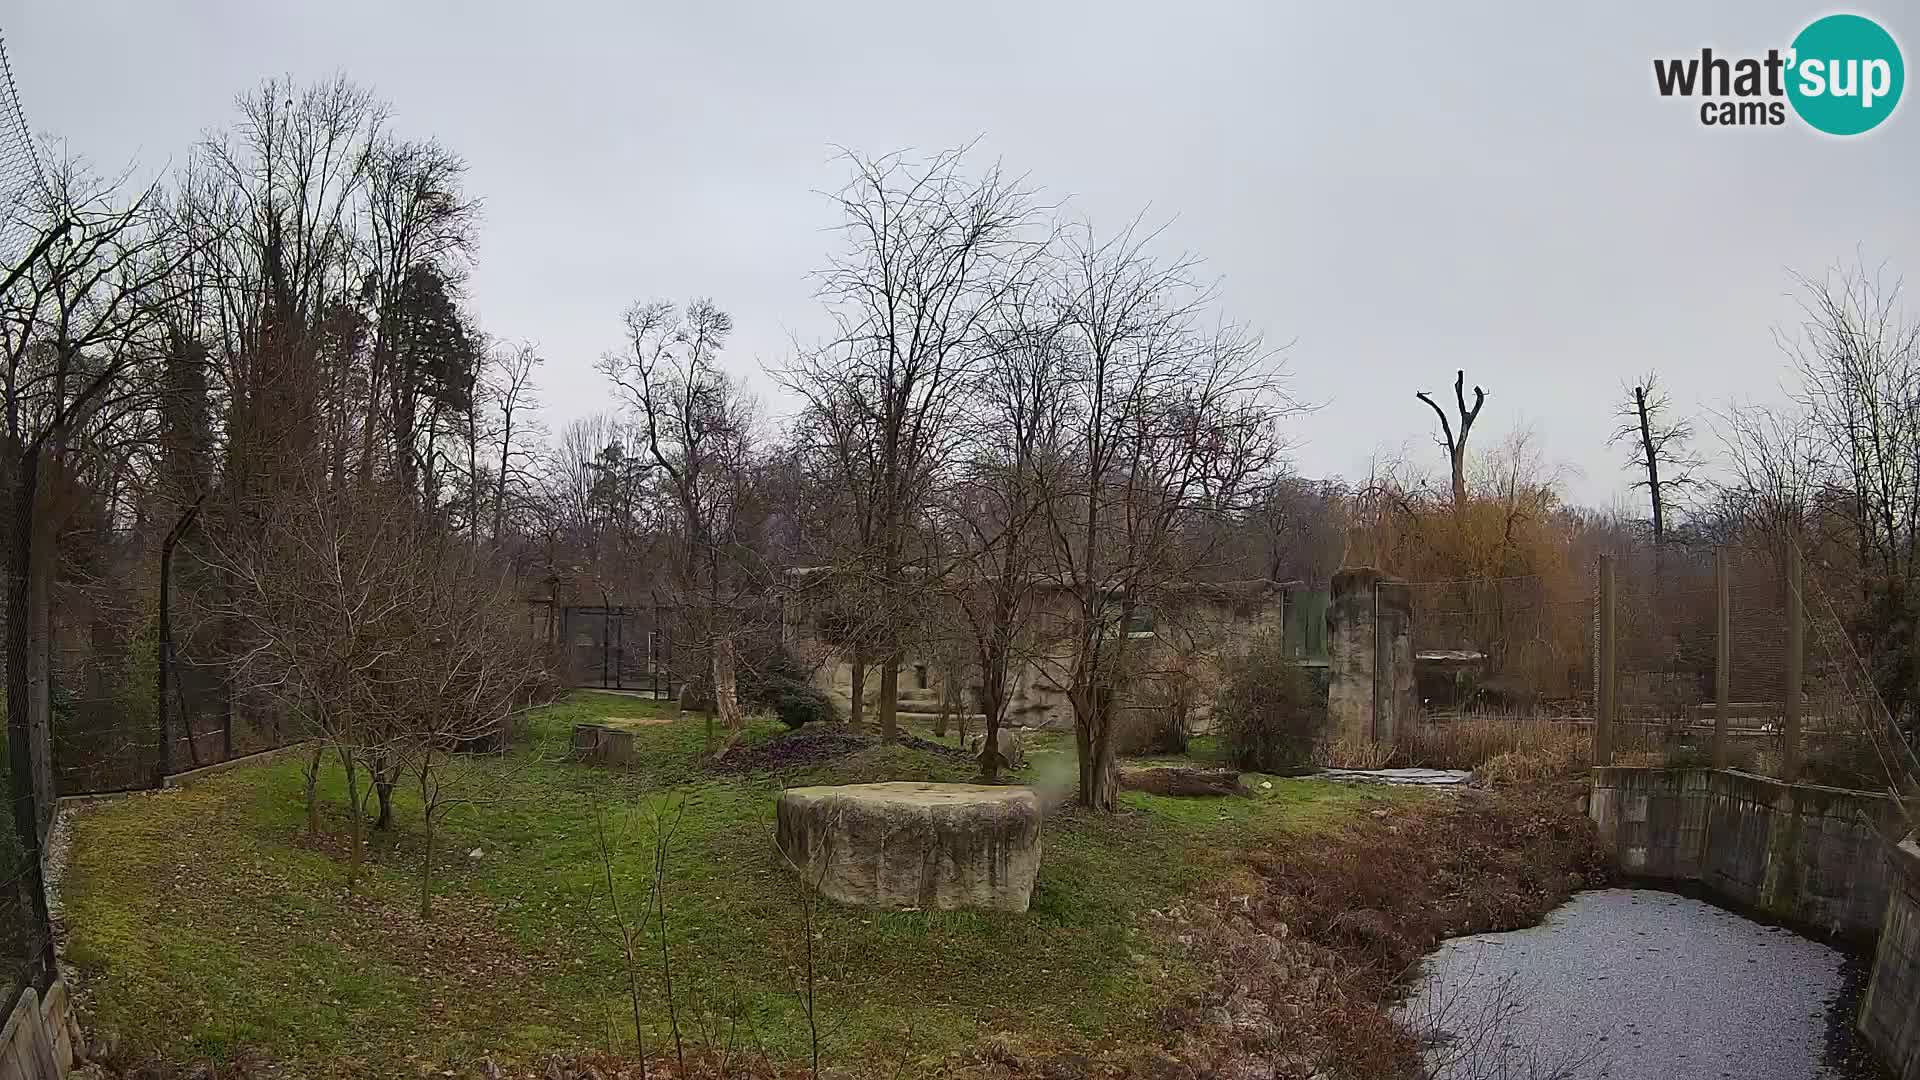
[1845,75]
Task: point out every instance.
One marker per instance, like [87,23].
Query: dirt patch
[618,722]
[817,744]
[1177,781]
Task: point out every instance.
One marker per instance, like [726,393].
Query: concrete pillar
[1370,656]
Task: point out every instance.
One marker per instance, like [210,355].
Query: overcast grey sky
[1397,192]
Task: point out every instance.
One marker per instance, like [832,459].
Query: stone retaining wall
[1890,1012]
[1801,853]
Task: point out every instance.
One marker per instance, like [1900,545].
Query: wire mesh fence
[1518,644]
[104,672]
[20,173]
[22,927]
[1702,671]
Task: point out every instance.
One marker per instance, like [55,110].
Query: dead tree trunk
[1651,452]
[1456,445]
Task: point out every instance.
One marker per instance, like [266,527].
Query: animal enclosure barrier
[108,733]
[1668,653]
[619,648]
[1734,656]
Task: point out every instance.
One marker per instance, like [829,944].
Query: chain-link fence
[24,930]
[105,644]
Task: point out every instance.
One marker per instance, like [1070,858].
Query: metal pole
[1796,647]
[1722,658]
[1608,704]
[1373,724]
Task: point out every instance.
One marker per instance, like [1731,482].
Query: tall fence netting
[20,176]
[1528,648]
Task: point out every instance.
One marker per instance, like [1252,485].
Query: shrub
[769,675]
[1348,752]
[1163,722]
[1267,710]
[797,703]
[779,683]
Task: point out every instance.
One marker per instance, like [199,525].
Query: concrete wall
[1192,630]
[1801,853]
[1890,1012]
[36,1042]
[1370,656]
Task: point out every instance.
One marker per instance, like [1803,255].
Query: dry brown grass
[1320,938]
[1515,747]
[1470,742]
[1350,753]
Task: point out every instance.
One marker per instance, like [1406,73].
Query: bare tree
[1857,355]
[697,432]
[510,374]
[77,327]
[994,511]
[1661,450]
[929,253]
[1168,422]
[392,646]
[468,667]
[1456,445]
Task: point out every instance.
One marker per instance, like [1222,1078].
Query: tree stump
[602,744]
[897,845]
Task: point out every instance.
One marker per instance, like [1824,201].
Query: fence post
[1796,659]
[1722,657]
[1607,704]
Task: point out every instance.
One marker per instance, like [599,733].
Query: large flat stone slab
[899,845]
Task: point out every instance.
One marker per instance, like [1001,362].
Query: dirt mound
[1182,781]
[817,744]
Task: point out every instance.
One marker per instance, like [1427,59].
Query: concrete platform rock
[914,845]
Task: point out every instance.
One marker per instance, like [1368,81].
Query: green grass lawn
[207,924]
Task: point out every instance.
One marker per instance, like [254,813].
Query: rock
[1013,750]
[897,845]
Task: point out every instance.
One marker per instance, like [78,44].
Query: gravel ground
[1630,984]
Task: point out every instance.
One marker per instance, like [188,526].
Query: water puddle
[1634,984]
